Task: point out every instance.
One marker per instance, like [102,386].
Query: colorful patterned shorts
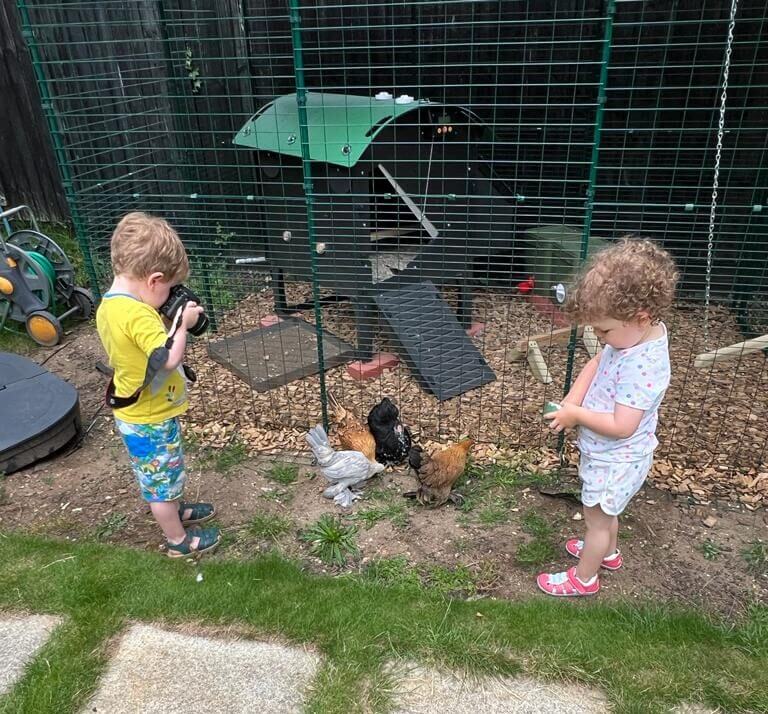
[157,458]
[610,484]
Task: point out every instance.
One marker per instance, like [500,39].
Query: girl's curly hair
[630,276]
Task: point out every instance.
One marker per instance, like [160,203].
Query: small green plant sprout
[710,550]
[756,555]
[284,474]
[193,71]
[331,540]
[111,524]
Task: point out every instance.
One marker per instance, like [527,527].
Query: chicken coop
[399,184]
[387,173]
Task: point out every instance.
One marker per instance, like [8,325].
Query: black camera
[179,296]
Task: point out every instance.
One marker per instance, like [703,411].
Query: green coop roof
[341,126]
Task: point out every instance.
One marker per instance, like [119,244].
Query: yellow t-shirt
[130,331]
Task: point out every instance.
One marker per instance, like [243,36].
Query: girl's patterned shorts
[157,458]
[611,484]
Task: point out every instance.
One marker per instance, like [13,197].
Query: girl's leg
[597,541]
[614,546]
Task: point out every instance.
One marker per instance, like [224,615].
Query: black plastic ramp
[430,339]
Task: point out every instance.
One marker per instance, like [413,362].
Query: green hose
[47,267]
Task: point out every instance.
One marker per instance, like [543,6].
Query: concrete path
[426,691]
[20,639]
[158,671]
[155,670]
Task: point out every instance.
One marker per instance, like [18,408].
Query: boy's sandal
[566,584]
[209,541]
[574,547]
[201,512]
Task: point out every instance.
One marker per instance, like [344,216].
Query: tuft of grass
[223,460]
[278,496]
[493,514]
[710,550]
[756,556]
[111,524]
[535,553]
[458,581]
[269,526]
[541,549]
[395,513]
[331,540]
[282,473]
[536,525]
[395,571]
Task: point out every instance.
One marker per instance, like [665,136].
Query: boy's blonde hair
[630,276]
[144,244]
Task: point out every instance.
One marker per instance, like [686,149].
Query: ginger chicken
[353,435]
[437,473]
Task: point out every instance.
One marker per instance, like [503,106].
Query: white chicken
[342,468]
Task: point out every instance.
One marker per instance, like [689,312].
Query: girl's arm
[581,384]
[619,424]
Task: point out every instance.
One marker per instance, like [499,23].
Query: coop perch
[740,349]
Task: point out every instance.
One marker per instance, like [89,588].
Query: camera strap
[155,363]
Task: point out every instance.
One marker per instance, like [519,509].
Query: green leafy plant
[331,540]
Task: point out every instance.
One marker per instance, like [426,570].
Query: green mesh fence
[385,176]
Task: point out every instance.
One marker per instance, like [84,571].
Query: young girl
[615,399]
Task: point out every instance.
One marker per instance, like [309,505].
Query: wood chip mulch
[714,444]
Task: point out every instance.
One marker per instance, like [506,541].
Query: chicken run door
[436,348]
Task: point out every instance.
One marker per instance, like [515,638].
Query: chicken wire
[561,125]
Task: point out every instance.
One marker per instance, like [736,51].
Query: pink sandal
[575,546]
[566,584]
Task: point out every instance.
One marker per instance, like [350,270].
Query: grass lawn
[647,658]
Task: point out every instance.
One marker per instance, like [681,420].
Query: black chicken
[393,440]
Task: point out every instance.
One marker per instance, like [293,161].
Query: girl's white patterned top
[637,377]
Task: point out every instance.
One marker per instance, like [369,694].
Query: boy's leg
[166,514]
[597,541]
[157,458]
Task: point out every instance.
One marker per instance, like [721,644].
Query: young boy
[149,386]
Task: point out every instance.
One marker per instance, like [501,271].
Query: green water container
[554,254]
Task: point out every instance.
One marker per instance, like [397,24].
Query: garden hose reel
[37,282]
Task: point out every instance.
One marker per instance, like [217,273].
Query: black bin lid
[32,400]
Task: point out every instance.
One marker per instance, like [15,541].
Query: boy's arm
[176,353]
[581,384]
[188,319]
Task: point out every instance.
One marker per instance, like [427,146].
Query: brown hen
[437,473]
[353,435]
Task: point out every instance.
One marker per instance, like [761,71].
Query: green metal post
[589,202]
[301,102]
[58,146]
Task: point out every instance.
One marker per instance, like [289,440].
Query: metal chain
[716,178]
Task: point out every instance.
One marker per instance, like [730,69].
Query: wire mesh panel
[410,179]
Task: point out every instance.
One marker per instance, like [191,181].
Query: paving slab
[158,671]
[20,639]
[427,691]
